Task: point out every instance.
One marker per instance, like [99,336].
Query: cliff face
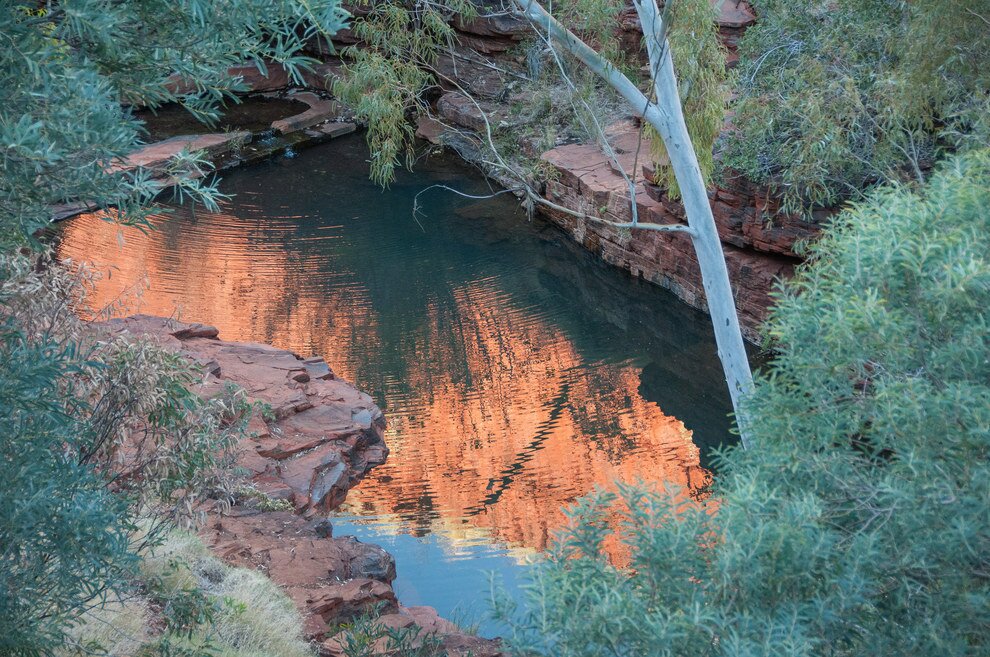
[758,251]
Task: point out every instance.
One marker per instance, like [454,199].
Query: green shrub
[859,523]
[98,433]
[68,65]
[64,538]
[835,97]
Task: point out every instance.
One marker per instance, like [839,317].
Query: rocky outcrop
[156,157]
[759,245]
[317,438]
[321,435]
[322,120]
[321,110]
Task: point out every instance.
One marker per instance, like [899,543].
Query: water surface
[516,370]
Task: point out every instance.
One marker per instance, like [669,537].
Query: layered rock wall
[759,251]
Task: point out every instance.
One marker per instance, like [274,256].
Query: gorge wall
[759,243]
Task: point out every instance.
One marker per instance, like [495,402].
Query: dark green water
[516,370]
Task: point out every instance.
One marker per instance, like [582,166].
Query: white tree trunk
[667,117]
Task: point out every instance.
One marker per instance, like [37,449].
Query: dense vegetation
[68,66]
[835,97]
[99,436]
[390,75]
[858,525]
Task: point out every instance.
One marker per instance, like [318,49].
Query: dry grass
[252,616]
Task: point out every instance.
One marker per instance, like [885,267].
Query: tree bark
[667,117]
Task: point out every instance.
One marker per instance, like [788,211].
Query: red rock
[347,600]
[322,77]
[464,67]
[734,13]
[156,157]
[498,25]
[283,449]
[273,487]
[327,433]
[318,368]
[461,110]
[320,110]
[274,78]
[257,427]
[757,253]
[429,129]
[367,560]
[196,331]
[253,79]
[485,45]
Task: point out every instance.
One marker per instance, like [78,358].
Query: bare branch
[539,200]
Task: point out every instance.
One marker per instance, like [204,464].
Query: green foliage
[699,63]
[859,523]
[387,75]
[391,70]
[595,21]
[67,66]
[366,637]
[836,97]
[98,432]
[63,536]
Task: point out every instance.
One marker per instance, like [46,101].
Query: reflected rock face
[510,367]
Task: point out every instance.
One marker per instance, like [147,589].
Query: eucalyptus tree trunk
[667,118]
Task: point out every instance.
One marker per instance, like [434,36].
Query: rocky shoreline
[319,439]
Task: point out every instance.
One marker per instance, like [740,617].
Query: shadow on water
[517,371]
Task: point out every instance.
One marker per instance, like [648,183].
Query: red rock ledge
[322,437]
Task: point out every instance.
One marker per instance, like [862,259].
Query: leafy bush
[95,430]
[859,523]
[834,97]
[68,65]
[63,535]
[97,433]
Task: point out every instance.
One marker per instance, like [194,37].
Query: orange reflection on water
[240,281]
[536,428]
[496,418]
